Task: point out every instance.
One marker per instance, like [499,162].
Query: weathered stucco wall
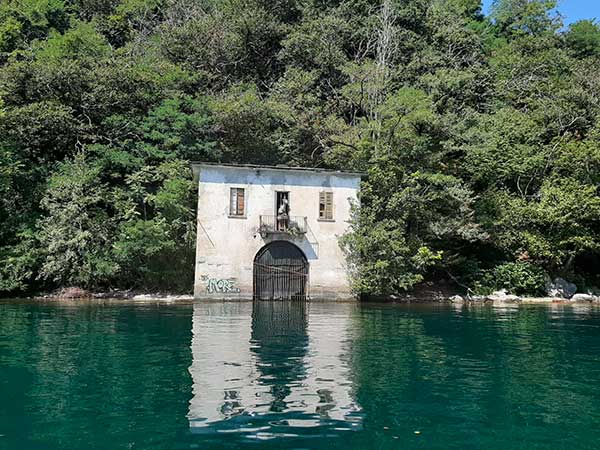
[226,246]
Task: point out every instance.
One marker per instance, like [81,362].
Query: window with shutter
[326,205]
[237,202]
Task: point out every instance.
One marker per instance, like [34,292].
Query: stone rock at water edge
[503,296]
[561,288]
[457,299]
[582,298]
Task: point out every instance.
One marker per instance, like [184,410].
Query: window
[282,210]
[326,206]
[282,202]
[237,203]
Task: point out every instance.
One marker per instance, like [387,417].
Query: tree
[525,16]
[410,212]
[479,134]
[583,38]
[76,233]
[155,239]
[22,21]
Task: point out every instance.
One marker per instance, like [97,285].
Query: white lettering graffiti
[216,285]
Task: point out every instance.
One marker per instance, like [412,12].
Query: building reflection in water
[270,368]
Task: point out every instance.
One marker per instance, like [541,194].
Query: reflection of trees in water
[540,355]
[459,372]
[93,376]
[279,339]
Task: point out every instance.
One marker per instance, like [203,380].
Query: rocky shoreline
[74,293]
[501,298]
[558,291]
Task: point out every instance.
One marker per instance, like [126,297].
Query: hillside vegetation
[480,135]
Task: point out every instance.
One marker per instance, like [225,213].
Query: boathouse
[271,232]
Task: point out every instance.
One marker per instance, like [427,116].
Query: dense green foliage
[518,277]
[479,135]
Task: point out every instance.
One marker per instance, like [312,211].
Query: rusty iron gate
[280,272]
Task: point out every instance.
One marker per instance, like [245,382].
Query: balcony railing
[293,225]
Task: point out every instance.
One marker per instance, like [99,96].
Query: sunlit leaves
[583,38]
[479,135]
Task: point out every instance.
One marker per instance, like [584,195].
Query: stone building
[269,232]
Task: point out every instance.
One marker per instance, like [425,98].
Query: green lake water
[298,376]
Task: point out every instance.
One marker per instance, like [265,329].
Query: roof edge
[278,167]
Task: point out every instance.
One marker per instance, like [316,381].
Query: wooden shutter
[232,201]
[326,205]
[236,202]
[240,202]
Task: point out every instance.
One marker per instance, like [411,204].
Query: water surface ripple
[299,376]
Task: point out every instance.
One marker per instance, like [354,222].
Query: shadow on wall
[277,177]
[310,249]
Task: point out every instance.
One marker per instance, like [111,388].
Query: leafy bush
[516,277]
[480,134]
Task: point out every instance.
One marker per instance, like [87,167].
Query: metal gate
[280,272]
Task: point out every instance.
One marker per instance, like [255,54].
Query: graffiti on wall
[221,286]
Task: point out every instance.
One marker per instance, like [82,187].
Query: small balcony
[293,225]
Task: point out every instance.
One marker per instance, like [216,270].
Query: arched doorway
[280,272]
